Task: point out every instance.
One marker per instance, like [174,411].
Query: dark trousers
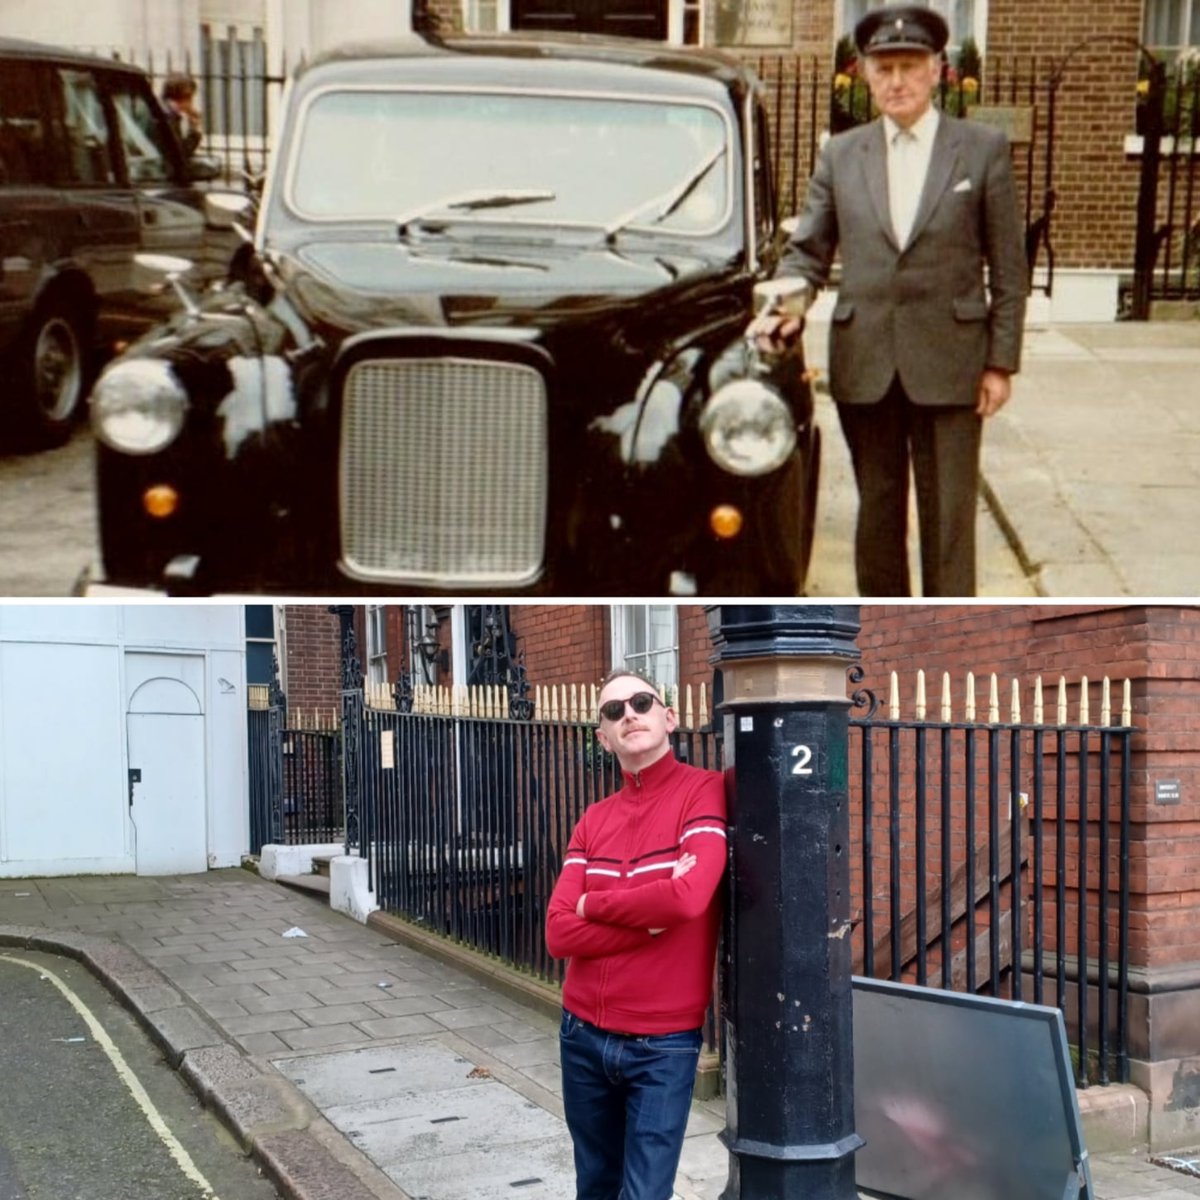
[626,1101]
[943,444]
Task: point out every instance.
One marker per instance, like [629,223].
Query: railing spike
[970,707]
[703,705]
[1062,700]
[947,708]
[1084,710]
[994,701]
[574,704]
[554,704]
[894,697]
[1126,704]
[920,695]
[1016,702]
[1039,710]
[1106,702]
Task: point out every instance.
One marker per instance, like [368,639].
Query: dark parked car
[91,174]
[489,338]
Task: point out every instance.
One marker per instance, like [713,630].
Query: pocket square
[963,185]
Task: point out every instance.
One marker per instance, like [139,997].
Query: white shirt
[908,155]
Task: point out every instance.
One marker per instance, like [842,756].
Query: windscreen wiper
[472,201]
[661,207]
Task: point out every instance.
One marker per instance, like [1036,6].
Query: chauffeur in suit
[923,340]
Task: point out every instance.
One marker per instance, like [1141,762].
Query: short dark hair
[179,87]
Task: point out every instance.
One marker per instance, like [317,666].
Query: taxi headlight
[747,428]
[138,406]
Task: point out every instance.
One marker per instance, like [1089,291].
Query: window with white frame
[965,18]
[484,16]
[1171,27]
[264,657]
[646,639]
[376,644]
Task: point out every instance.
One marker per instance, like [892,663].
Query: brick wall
[1157,648]
[313,677]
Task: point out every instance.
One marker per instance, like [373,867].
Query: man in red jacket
[636,910]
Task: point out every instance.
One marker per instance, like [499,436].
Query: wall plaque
[1167,791]
[754,22]
[1015,119]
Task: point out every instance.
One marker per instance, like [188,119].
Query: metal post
[789,1055]
[352,712]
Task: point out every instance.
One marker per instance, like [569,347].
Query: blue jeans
[627,1101]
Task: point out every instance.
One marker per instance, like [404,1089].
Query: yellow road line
[131,1081]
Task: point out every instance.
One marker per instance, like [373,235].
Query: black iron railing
[988,856]
[993,857]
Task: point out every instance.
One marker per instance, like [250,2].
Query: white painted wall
[66,674]
[137,26]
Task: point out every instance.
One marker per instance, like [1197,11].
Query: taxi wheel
[52,372]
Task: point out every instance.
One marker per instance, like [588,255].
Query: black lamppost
[789,1056]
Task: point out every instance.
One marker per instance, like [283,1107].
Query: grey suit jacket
[923,312]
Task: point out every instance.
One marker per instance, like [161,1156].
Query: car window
[84,130]
[23,158]
[142,132]
[374,154]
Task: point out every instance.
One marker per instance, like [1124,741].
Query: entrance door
[166,762]
[623,18]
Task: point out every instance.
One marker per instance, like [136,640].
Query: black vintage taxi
[488,338]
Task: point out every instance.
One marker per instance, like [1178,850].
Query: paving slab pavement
[348,1063]
[1091,473]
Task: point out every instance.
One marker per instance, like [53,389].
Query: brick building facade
[1157,647]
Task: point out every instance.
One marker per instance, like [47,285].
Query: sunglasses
[640,702]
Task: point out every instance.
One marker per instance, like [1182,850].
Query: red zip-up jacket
[620,977]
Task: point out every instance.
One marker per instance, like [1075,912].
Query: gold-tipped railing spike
[1084,711]
[894,697]
[1126,704]
[1105,702]
[947,709]
[994,701]
[1062,700]
[1016,703]
[703,705]
[920,695]
[1039,708]
[969,712]
[574,703]
[554,704]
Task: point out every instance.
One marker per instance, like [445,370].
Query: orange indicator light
[726,521]
[161,500]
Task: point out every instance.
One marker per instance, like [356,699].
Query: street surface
[92,1111]
[48,523]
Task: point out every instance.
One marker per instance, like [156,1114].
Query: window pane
[1163,23]
[143,136]
[22,136]
[259,662]
[84,129]
[260,621]
[635,630]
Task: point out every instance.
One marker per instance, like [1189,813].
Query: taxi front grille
[443,472]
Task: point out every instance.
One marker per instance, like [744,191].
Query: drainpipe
[787,1004]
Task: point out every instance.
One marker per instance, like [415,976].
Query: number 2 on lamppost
[803,756]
